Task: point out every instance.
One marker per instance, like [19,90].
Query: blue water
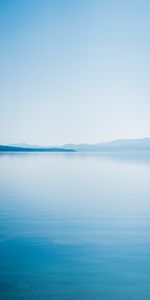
[74,226]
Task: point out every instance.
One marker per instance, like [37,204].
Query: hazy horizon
[74,71]
[75,144]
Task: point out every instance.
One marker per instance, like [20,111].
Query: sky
[74,71]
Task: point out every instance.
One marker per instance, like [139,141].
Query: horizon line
[71,143]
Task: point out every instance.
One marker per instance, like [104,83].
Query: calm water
[74,226]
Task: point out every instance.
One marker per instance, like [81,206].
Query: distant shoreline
[21,149]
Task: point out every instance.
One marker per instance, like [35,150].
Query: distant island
[5,148]
[122,145]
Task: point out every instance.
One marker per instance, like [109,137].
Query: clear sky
[74,71]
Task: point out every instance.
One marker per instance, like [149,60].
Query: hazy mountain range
[121,145]
[116,145]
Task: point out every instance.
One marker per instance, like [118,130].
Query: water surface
[74,226]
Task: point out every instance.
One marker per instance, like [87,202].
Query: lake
[74,226]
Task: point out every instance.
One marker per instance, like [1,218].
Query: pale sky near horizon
[74,71]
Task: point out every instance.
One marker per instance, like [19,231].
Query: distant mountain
[122,145]
[25,145]
[116,145]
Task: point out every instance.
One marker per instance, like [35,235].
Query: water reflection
[74,226]
[124,157]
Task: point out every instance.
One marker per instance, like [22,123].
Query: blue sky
[74,71]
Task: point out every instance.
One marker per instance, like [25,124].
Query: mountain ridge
[120,145]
